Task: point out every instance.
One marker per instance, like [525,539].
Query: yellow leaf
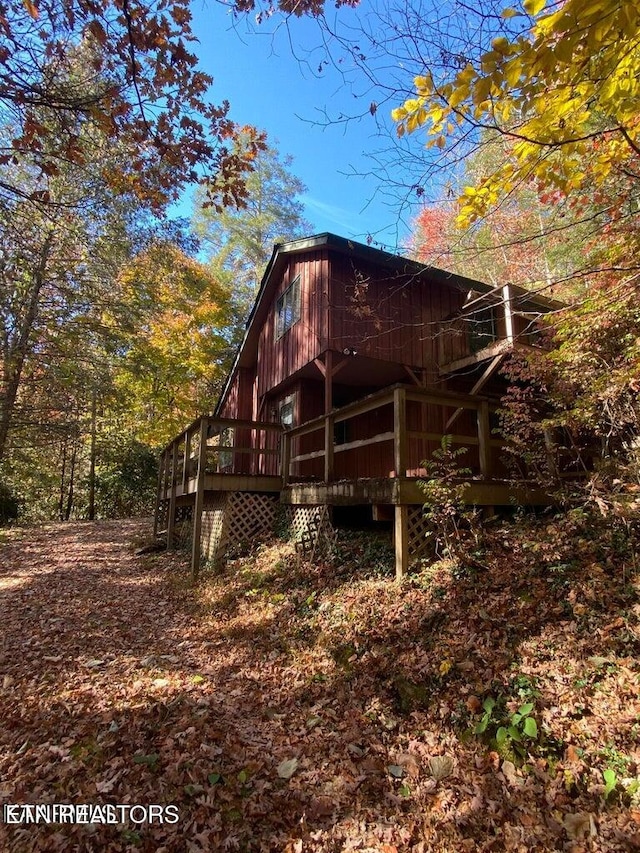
[532,7]
[501,44]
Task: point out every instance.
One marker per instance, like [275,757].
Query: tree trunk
[17,350]
[92,462]
[72,472]
[62,481]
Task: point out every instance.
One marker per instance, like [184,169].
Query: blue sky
[269,73]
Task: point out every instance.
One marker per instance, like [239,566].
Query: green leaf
[404,791]
[514,733]
[215,778]
[526,709]
[530,727]
[489,704]
[150,760]
[610,781]
[501,735]
[243,777]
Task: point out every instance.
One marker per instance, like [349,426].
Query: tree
[524,240]
[173,324]
[239,242]
[565,96]
[121,68]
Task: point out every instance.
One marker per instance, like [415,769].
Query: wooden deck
[313,464]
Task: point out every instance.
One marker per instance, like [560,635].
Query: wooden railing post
[187,457]
[285,456]
[328,448]
[172,500]
[199,500]
[159,492]
[508,314]
[484,439]
[400,431]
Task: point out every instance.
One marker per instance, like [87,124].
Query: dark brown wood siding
[306,339]
[239,400]
[389,316]
[229,407]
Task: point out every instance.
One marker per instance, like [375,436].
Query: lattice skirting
[231,521]
[183,529]
[420,546]
[163,515]
[311,529]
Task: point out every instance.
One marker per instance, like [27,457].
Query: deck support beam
[401,539]
[484,437]
[198,505]
[159,492]
[400,429]
[171,520]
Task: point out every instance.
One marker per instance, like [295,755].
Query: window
[225,457]
[482,329]
[287,410]
[288,308]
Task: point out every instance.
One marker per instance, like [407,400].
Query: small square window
[288,308]
[482,329]
[286,413]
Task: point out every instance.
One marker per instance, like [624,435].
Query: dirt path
[308,708]
[117,687]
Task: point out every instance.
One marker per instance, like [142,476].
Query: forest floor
[294,707]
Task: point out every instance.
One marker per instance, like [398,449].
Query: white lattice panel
[418,528]
[213,525]
[232,521]
[311,529]
[420,545]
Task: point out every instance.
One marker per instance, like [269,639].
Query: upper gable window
[288,308]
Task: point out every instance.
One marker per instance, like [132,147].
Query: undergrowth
[521,669]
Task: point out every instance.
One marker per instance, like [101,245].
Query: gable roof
[247,351]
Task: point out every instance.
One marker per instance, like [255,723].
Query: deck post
[508,314]
[328,421]
[401,540]
[285,456]
[171,520]
[199,501]
[187,456]
[400,430]
[484,438]
[159,493]
[328,448]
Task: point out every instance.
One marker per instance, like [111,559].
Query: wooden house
[354,364]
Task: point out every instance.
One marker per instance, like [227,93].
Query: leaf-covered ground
[293,707]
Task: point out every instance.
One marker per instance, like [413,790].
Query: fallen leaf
[286,769]
[441,766]
[474,705]
[578,825]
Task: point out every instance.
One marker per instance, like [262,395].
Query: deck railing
[387,434]
[209,446]
[405,424]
